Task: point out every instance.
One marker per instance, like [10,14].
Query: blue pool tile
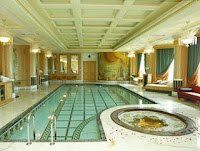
[79,105]
[77,113]
[61,131]
[69,138]
[63,117]
[62,123]
[89,105]
[78,108]
[77,117]
[71,131]
[89,115]
[65,112]
[68,108]
[75,123]
[90,112]
[60,138]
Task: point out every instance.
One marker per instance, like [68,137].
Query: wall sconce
[4,39]
[48,54]
[35,49]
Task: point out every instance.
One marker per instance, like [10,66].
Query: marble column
[46,68]
[9,60]
[8,63]
[2,59]
[180,61]
[151,63]
[33,69]
[52,65]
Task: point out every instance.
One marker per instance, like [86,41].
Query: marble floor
[118,138]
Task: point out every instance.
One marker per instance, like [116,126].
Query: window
[63,63]
[74,63]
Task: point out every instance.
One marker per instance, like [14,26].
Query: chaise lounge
[192,93]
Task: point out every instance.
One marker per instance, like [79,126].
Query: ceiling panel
[68,30]
[59,12]
[55,1]
[97,13]
[64,23]
[94,31]
[146,2]
[109,2]
[97,23]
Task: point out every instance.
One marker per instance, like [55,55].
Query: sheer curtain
[139,56]
[142,66]
[171,72]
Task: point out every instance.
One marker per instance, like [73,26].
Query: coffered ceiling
[97,25]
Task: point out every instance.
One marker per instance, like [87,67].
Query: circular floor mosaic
[155,122]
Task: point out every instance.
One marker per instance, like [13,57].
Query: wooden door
[89,71]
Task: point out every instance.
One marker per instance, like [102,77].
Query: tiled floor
[118,138]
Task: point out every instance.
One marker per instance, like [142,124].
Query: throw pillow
[196,89]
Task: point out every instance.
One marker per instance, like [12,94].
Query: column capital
[176,37]
[177,40]
[10,42]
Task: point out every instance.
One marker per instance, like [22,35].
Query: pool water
[77,108]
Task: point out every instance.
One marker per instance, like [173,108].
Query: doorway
[89,71]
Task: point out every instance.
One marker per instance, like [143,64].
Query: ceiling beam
[93,27]
[118,18]
[84,27]
[61,18]
[136,19]
[102,6]
[55,5]
[90,49]
[76,9]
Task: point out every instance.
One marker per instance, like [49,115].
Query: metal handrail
[53,123]
[28,128]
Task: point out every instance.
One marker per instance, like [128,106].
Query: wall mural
[114,66]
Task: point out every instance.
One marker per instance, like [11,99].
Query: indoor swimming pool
[77,109]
